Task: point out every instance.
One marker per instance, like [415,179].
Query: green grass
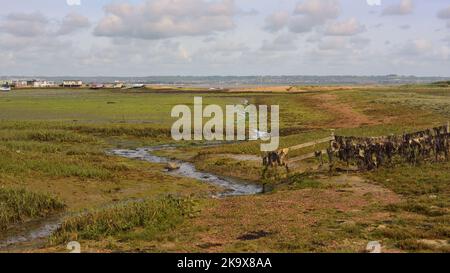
[19,205]
[305,181]
[250,171]
[55,141]
[150,108]
[424,212]
[154,216]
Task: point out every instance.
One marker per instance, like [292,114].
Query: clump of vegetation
[55,136]
[429,178]
[424,212]
[58,136]
[124,130]
[18,205]
[245,170]
[304,181]
[441,84]
[154,216]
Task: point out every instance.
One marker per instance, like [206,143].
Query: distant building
[72,83]
[118,84]
[97,86]
[8,82]
[43,84]
[30,83]
[20,83]
[34,83]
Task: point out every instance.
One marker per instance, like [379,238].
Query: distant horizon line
[207,76]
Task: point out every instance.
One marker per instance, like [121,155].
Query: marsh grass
[21,164]
[423,214]
[18,205]
[305,181]
[58,144]
[154,216]
[245,170]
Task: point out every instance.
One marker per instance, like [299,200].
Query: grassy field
[53,147]
[16,206]
[152,216]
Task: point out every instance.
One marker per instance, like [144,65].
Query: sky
[224,37]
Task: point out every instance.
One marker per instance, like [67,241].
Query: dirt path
[345,115]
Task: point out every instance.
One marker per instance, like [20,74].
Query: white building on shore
[72,83]
[43,84]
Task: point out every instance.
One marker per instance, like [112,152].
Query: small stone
[172,166]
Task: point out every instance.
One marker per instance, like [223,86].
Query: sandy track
[345,115]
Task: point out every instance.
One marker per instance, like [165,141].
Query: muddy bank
[36,231]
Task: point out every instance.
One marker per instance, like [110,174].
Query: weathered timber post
[330,150]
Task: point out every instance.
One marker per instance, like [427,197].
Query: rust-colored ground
[288,88]
[299,220]
[345,115]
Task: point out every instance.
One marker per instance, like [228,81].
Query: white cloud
[37,25]
[161,19]
[73,22]
[345,28]
[277,21]
[403,8]
[416,47]
[444,53]
[318,9]
[444,13]
[306,15]
[333,43]
[284,42]
[405,27]
[360,42]
[24,24]
[312,13]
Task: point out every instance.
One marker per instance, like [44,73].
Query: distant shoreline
[246,81]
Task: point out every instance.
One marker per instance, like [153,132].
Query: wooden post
[329,151]
[448,127]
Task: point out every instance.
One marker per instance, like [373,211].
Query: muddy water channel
[36,232]
[231,186]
